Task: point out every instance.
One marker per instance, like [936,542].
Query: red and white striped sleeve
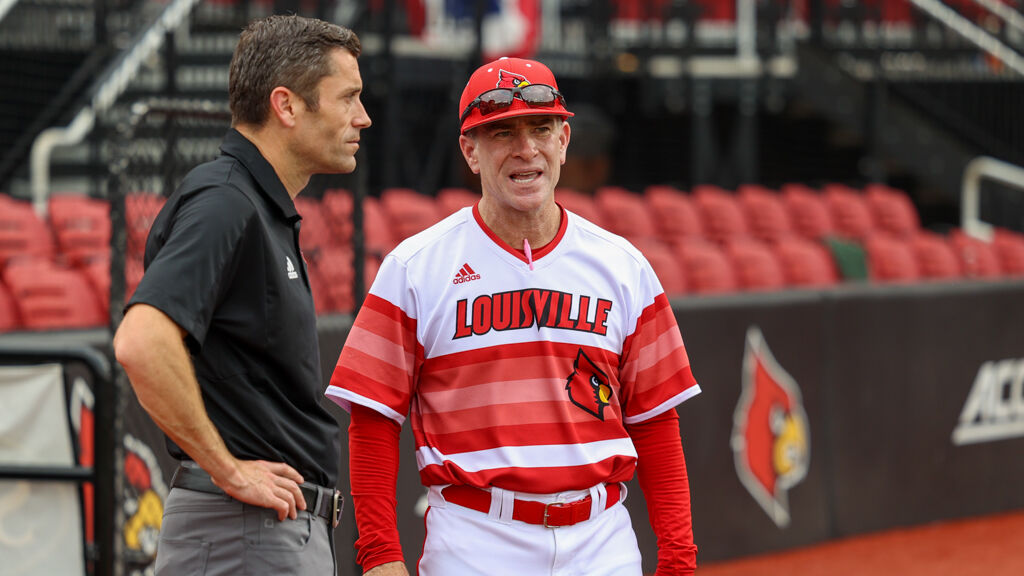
[378,365]
[655,370]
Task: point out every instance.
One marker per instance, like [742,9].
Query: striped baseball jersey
[516,377]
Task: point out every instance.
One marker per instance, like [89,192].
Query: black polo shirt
[223,261]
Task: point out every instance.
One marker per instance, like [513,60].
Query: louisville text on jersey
[532,307]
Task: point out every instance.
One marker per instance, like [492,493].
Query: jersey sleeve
[192,270]
[378,365]
[655,370]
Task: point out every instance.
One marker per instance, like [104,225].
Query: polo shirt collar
[240,148]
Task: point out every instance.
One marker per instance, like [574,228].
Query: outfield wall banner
[913,373]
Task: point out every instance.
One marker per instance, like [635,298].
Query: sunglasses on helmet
[534,95]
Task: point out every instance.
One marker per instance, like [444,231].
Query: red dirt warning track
[985,546]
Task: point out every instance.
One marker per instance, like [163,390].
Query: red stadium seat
[377,229]
[133,272]
[9,319]
[97,272]
[674,214]
[892,211]
[754,264]
[408,211]
[141,209]
[765,213]
[333,276]
[890,259]
[337,207]
[22,233]
[978,259]
[52,297]
[380,237]
[82,227]
[580,204]
[1009,248]
[935,257]
[451,200]
[850,213]
[665,266]
[624,212]
[805,263]
[705,266]
[807,211]
[721,213]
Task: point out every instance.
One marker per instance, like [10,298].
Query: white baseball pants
[464,542]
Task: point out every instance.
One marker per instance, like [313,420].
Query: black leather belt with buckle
[326,503]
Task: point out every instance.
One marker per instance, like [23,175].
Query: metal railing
[972,33]
[111,84]
[981,168]
[104,474]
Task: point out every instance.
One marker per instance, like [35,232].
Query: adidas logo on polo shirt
[465,274]
[292,274]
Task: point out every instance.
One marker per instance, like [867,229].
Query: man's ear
[468,146]
[563,140]
[284,105]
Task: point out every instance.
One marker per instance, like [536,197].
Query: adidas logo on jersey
[290,268]
[465,274]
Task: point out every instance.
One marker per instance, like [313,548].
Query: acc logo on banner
[994,409]
[770,438]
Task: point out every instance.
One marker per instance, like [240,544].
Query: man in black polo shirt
[219,339]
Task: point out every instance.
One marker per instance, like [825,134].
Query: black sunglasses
[535,96]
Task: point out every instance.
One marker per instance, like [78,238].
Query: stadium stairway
[927,101]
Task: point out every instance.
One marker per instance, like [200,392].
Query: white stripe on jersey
[544,456]
[666,405]
[346,398]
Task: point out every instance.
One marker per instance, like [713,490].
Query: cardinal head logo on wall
[771,437]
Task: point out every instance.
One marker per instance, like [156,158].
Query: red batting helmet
[509,73]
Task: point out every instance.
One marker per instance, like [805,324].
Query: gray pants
[214,535]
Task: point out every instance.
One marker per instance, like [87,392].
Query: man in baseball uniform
[538,360]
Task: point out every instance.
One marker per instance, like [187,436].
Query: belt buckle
[546,513]
[337,504]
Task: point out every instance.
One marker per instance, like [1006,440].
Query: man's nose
[523,145]
[362,119]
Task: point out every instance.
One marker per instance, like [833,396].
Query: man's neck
[538,227]
[275,151]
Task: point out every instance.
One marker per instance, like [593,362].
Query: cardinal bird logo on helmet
[588,386]
[771,438]
[508,79]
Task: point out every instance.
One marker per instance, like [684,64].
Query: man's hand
[388,569]
[273,485]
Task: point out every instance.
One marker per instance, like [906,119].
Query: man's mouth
[525,177]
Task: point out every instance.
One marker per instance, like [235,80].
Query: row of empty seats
[56,273]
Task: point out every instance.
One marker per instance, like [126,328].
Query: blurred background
[831,192]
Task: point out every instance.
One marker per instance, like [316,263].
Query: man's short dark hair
[290,51]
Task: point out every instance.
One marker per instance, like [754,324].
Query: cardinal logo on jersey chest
[588,386]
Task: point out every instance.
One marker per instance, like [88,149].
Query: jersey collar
[537,253]
[240,148]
